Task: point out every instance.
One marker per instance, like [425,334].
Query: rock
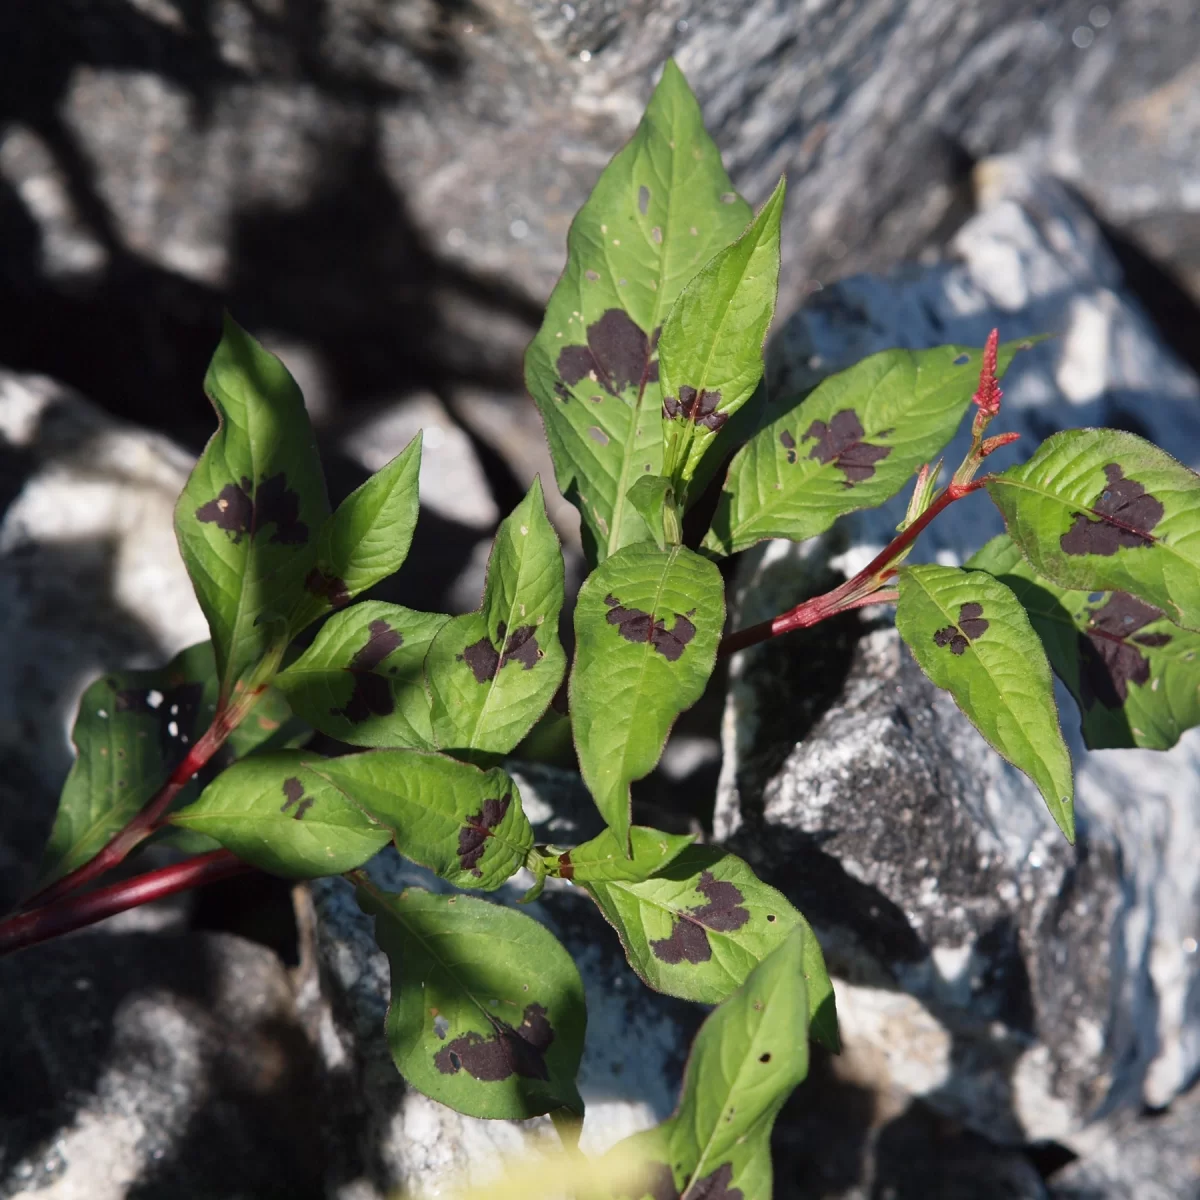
[1152,1157]
[90,580]
[1014,985]
[392,185]
[156,1066]
[636,1043]
[452,482]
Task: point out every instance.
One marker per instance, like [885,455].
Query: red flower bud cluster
[988,394]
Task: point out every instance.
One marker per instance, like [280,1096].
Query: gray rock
[90,580]
[1151,1158]
[392,185]
[452,482]
[1022,988]
[149,1066]
[636,1039]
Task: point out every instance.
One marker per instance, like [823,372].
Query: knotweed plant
[648,372]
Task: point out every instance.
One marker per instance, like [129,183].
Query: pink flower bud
[988,394]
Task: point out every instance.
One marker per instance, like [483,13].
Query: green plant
[648,374]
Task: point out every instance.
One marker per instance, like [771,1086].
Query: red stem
[848,595]
[29,928]
[148,820]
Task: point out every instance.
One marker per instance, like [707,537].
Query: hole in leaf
[962,360]
[770,916]
[764,1058]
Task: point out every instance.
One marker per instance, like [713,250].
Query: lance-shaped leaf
[710,353]
[748,1057]
[604,859]
[464,824]
[276,812]
[361,679]
[970,635]
[1132,672]
[662,208]
[646,630]
[1098,509]
[853,443]
[366,540]
[132,730]
[487,1012]
[493,672]
[697,928]
[247,520]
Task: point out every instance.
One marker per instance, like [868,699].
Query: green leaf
[366,540]
[662,208]
[697,928]
[248,518]
[646,630]
[464,824]
[279,813]
[487,1012]
[711,350]
[1132,672]
[853,443]
[604,859]
[361,679]
[1102,510]
[132,730]
[650,496]
[970,635]
[493,672]
[748,1057]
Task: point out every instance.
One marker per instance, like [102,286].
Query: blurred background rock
[381,192]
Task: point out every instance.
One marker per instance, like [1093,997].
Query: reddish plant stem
[858,592]
[148,820]
[29,928]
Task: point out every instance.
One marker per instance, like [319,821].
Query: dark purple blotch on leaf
[473,836]
[509,1051]
[486,661]
[176,709]
[1108,663]
[723,913]
[789,444]
[617,355]
[841,443]
[700,409]
[1126,514]
[717,1186]
[372,695]
[232,510]
[293,793]
[483,658]
[637,626]
[273,503]
[971,625]
[331,587]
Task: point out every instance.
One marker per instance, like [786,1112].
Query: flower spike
[987,396]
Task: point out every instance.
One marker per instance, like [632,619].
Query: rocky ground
[381,191]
